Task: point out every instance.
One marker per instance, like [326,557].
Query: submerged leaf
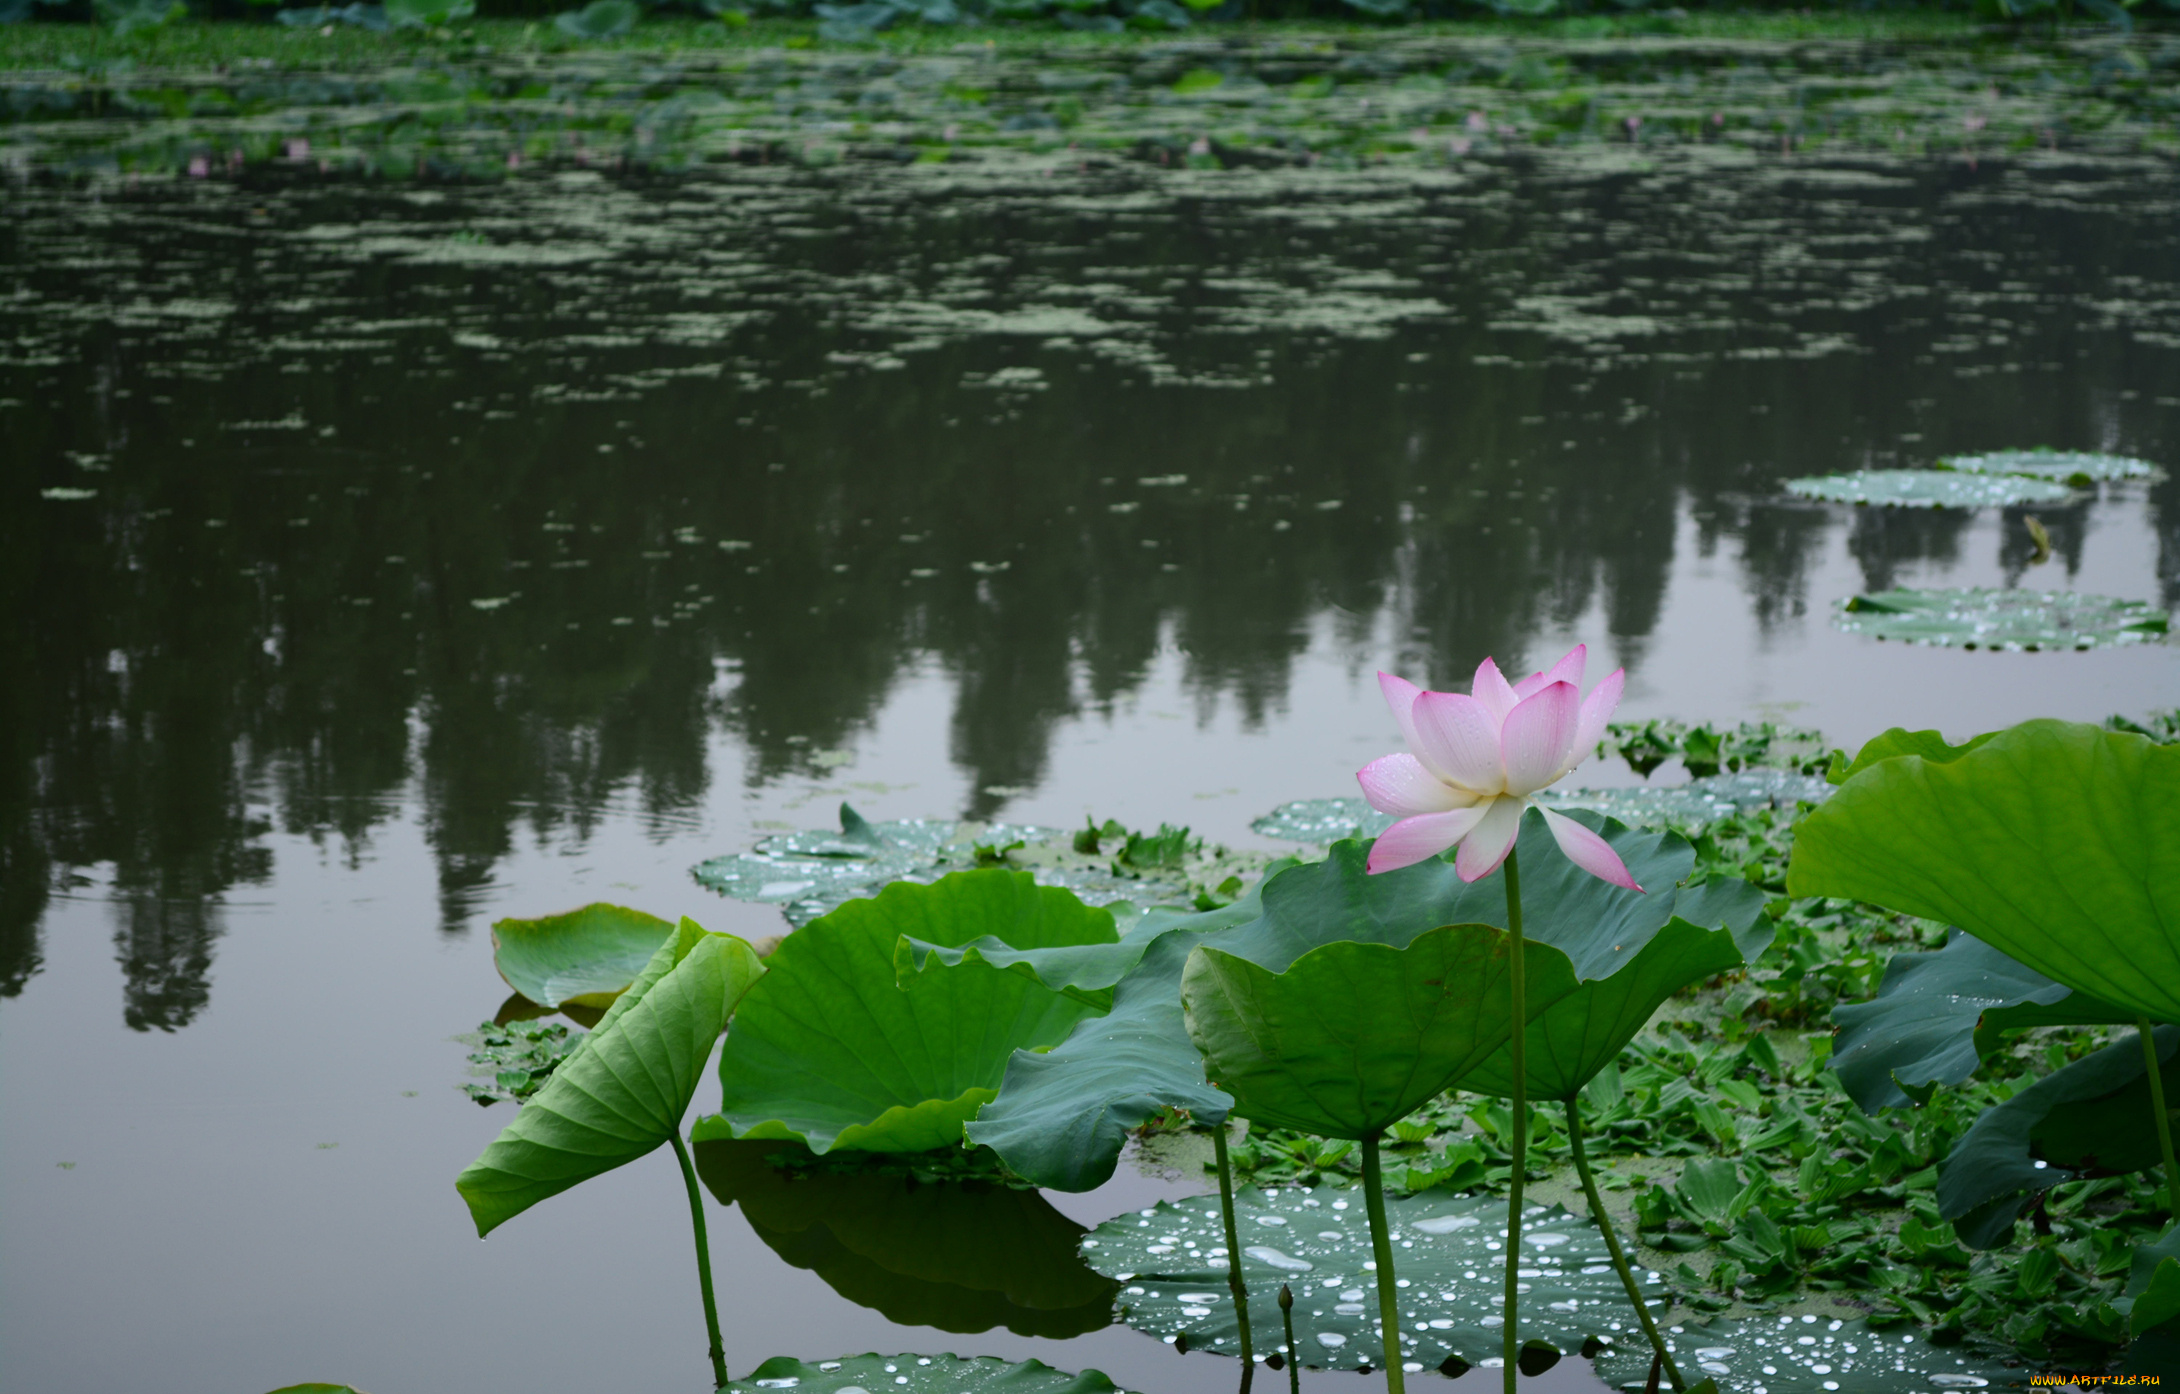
[2092,1115]
[1173,1259]
[961,1256]
[2064,466]
[2056,843]
[1938,1014]
[1928,489]
[2013,620]
[830,1050]
[918,1374]
[600,19]
[586,956]
[622,1092]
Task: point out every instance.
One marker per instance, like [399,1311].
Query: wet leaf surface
[1929,489]
[917,1374]
[2013,620]
[2072,467]
[1814,1355]
[1448,1258]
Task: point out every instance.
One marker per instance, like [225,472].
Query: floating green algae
[2014,620]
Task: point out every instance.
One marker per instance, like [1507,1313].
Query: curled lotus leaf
[1937,1015]
[2077,467]
[917,1374]
[584,958]
[1808,1354]
[831,1050]
[622,1092]
[1928,489]
[1448,1257]
[2014,621]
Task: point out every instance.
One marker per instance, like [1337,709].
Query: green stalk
[703,1263]
[1518,1048]
[1612,1241]
[1381,1244]
[1286,1318]
[2157,1107]
[1234,1283]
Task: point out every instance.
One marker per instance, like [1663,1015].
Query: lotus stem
[2157,1108]
[1234,1283]
[1286,1319]
[1516,1046]
[1612,1242]
[1381,1244]
[703,1262]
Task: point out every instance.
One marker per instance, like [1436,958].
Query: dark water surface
[422,555]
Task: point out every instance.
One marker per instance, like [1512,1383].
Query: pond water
[388,558]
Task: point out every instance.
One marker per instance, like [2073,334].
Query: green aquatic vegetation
[2017,621]
[585,957]
[918,1374]
[809,874]
[622,1093]
[1706,750]
[1929,489]
[2075,468]
[2095,1115]
[1170,1259]
[961,1253]
[830,1050]
[514,1060]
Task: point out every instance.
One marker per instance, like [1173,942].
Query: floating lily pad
[585,957]
[918,1374]
[1325,821]
[2016,621]
[1450,1270]
[961,1256]
[2064,466]
[808,874]
[1928,489]
[1810,1355]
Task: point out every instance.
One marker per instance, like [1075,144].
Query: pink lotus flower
[1478,760]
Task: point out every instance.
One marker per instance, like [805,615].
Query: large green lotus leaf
[1936,1015]
[1809,1354]
[2016,621]
[1061,1118]
[2055,843]
[2093,1114]
[1354,1037]
[917,1374]
[1899,741]
[585,957]
[2064,466]
[1449,1269]
[622,1093]
[957,1255]
[1581,1033]
[829,1049]
[1928,489]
